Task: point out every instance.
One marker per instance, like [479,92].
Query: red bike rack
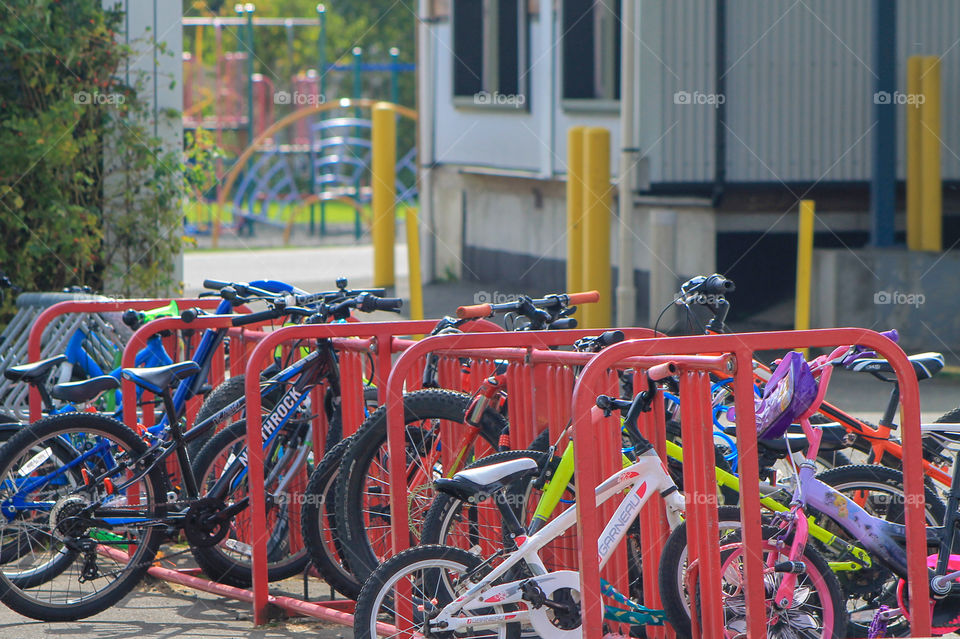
[109,306]
[372,337]
[701,485]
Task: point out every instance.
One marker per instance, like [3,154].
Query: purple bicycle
[792,395]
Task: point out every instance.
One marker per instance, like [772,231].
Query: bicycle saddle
[79,392]
[478,483]
[34,371]
[158,378]
[925,365]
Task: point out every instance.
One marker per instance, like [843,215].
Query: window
[490,52]
[591,49]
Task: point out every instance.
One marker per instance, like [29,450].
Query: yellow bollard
[575,209]
[931,195]
[413,263]
[383,180]
[801,314]
[914,171]
[597,211]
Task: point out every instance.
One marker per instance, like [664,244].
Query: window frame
[606,59]
[489,73]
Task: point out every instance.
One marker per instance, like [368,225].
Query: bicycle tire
[365,449]
[673,570]
[866,588]
[221,562]
[219,398]
[13,549]
[151,493]
[319,525]
[376,591]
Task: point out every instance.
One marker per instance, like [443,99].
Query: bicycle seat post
[176,433]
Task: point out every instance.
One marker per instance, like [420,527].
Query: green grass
[201,213]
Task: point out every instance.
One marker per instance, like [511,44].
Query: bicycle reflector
[789,393]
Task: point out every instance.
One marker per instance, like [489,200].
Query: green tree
[86,190]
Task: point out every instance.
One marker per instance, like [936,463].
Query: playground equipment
[337,162]
[240,106]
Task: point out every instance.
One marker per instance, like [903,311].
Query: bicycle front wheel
[817,609]
[432,576]
[87,528]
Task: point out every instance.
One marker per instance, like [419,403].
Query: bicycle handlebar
[259,316]
[549,302]
[702,285]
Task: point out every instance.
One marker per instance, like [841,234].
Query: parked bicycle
[83,522]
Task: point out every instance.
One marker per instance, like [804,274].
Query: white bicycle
[446,592]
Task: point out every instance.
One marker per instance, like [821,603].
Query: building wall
[150,25]
[798,93]
[485,239]
[798,101]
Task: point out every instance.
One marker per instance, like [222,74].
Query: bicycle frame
[877,436]
[642,480]
[160,449]
[882,538]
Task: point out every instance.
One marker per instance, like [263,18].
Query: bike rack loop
[188,577]
[743,346]
[384,333]
[109,306]
[375,330]
[519,347]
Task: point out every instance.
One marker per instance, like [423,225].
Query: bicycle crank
[554,601]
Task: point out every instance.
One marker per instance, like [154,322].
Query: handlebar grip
[373,303]
[215,284]
[587,297]
[474,311]
[189,315]
[662,371]
[717,284]
[607,338]
[253,318]
[892,335]
[131,318]
[564,323]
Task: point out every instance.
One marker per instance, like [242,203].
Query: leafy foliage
[88,192]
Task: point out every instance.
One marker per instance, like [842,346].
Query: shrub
[88,193]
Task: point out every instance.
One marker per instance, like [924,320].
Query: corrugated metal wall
[799,87]
[682,64]
[932,27]
[799,92]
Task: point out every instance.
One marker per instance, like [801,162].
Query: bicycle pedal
[796,567]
